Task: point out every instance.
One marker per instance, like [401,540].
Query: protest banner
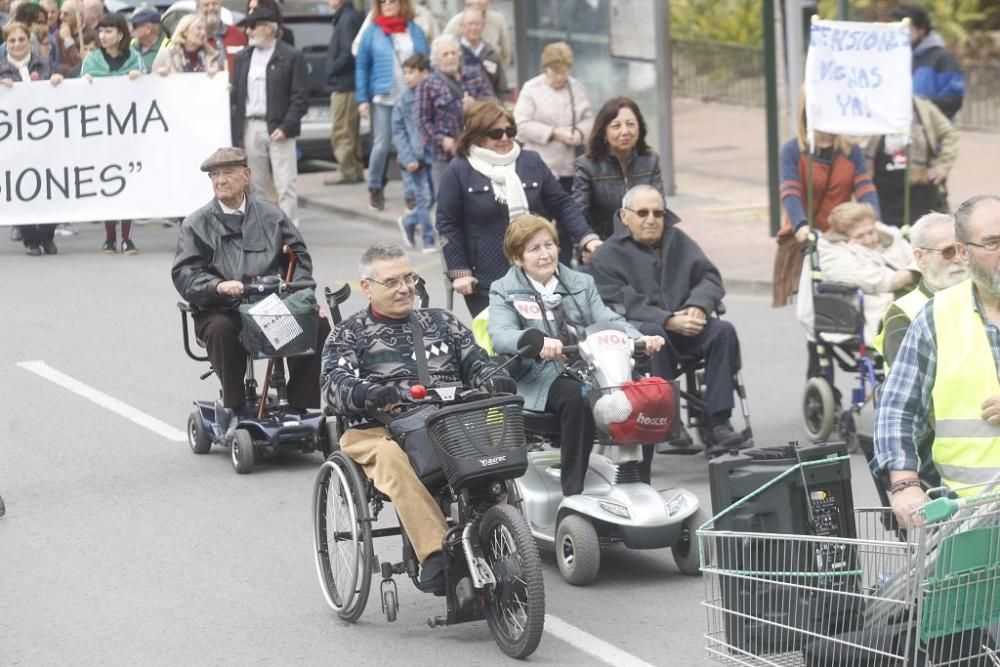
[858,79]
[109,150]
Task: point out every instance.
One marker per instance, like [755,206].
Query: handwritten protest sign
[858,79]
[111,149]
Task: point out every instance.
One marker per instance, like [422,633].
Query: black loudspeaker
[774,590]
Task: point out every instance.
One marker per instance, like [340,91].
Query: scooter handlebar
[258,288]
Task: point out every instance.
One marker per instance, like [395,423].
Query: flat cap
[145,15]
[259,15]
[225,157]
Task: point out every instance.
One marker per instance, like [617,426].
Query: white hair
[921,229]
[379,252]
[439,41]
[635,190]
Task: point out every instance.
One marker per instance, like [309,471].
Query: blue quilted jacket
[373,67]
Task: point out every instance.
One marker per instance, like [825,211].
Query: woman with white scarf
[22,64]
[491,181]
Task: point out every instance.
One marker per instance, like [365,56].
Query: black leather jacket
[287,91]
[598,186]
[209,252]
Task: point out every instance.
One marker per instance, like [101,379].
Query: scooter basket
[302,309]
[481,441]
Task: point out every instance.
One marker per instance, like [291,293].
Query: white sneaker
[430,249]
[409,237]
[65,229]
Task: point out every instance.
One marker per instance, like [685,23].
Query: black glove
[500,384]
[380,396]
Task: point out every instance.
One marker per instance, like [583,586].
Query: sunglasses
[644,213]
[496,134]
[948,252]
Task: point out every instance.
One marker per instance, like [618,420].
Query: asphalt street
[121,547]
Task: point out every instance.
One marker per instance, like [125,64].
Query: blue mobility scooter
[272,424]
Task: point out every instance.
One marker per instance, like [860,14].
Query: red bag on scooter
[653,412]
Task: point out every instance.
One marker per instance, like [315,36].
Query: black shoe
[376,199]
[722,438]
[33,250]
[679,439]
[109,247]
[129,248]
[49,247]
[432,574]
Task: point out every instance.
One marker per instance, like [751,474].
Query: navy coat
[472,223]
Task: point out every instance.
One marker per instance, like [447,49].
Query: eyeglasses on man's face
[947,252]
[496,134]
[990,246]
[393,284]
[644,213]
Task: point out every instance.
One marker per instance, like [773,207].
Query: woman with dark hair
[20,63]
[391,38]
[114,58]
[617,158]
[490,182]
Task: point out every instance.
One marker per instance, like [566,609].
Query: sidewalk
[721,173]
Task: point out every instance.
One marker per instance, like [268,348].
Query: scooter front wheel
[578,550]
[515,607]
[687,550]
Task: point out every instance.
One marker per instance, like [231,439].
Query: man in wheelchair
[231,240]
[661,281]
[369,364]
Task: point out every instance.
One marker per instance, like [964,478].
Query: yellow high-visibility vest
[966,448]
[910,303]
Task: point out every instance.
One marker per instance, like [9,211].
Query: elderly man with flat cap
[231,240]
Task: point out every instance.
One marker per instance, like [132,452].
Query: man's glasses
[948,252]
[644,213]
[496,134]
[989,246]
[392,284]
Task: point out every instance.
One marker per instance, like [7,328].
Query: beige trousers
[272,162]
[345,138]
[386,464]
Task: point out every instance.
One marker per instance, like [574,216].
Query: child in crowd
[414,157]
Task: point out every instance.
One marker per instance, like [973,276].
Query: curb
[739,286]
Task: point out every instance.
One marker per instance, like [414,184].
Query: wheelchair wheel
[198,439]
[342,536]
[515,608]
[242,452]
[578,550]
[330,437]
[819,409]
[3,507]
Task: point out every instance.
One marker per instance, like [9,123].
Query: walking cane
[292,259]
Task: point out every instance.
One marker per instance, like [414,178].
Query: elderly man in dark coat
[661,281]
[227,242]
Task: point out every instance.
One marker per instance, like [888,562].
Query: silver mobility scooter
[615,506]
[492,570]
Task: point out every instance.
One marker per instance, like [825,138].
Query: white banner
[109,150]
[858,78]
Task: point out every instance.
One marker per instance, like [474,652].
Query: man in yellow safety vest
[945,375]
[941,265]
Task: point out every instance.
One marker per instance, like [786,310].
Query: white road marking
[158,427]
[590,644]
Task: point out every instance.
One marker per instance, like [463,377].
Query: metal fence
[734,74]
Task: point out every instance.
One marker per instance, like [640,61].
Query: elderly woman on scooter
[539,293]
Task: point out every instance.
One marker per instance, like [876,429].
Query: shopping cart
[884,596]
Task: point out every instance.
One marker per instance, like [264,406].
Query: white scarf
[501,171]
[21,65]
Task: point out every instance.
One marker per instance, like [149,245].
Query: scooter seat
[543,423]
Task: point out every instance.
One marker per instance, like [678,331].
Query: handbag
[410,430]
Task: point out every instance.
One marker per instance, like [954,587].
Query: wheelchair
[492,566]
[838,328]
[273,425]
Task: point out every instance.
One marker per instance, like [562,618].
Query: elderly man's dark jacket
[211,249]
[339,60]
[287,91]
[648,284]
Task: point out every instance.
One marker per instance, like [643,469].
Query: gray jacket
[581,303]
[599,185]
[647,285]
[211,250]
